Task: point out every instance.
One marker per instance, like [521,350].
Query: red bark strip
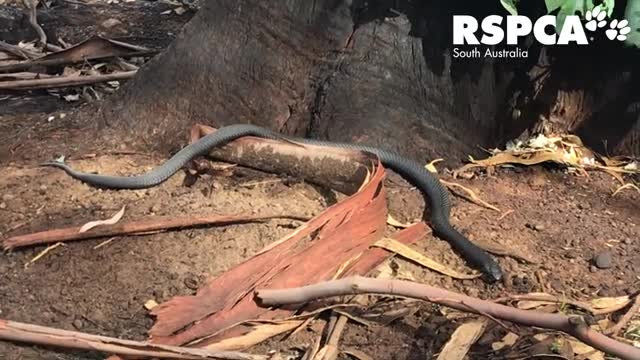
[312,253]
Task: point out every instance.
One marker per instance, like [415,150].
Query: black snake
[412,171]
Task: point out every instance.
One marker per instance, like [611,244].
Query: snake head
[492,272]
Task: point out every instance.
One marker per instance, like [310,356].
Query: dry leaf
[507,340]
[462,339]
[589,353]
[540,337]
[532,304]
[610,302]
[258,334]
[407,252]
[604,324]
[564,149]
[113,220]
[313,349]
[357,354]
[626,186]
[395,223]
[71,97]
[150,304]
[431,166]
[328,352]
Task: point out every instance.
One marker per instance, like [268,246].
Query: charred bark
[378,72]
[333,69]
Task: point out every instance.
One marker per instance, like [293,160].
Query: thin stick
[64,81]
[35,334]
[26,65]
[154,223]
[32,14]
[361,285]
[43,253]
[18,51]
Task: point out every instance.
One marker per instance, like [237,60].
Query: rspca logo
[495,29]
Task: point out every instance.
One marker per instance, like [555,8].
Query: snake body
[412,171]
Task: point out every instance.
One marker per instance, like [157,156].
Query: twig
[26,65]
[43,253]
[154,223]
[108,241]
[362,285]
[472,197]
[32,14]
[64,81]
[18,51]
[35,334]
[614,330]
[505,214]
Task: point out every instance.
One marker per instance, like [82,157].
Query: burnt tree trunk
[330,69]
[378,72]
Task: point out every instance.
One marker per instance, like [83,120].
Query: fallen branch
[32,15]
[42,335]
[574,326]
[18,51]
[64,81]
[27,65]
[154,223]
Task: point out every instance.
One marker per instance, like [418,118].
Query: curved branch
[571,325]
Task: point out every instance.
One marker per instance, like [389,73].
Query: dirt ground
[558,220]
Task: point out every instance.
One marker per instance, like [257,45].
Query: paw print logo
[595,19]
[618,30]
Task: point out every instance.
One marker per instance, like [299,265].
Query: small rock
[191,282]
[537,181]
[49,316]
[3,206]
[472,291]
[155,208]
[593,269]
[8,197]
[536,227]
[43,189]
[603,260]
[627,241]
[109,23]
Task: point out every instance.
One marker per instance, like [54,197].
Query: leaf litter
[561,149]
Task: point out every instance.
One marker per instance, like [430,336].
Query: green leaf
[554,4]
[510,6]
[608,6]
[570,7]
[632,14]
